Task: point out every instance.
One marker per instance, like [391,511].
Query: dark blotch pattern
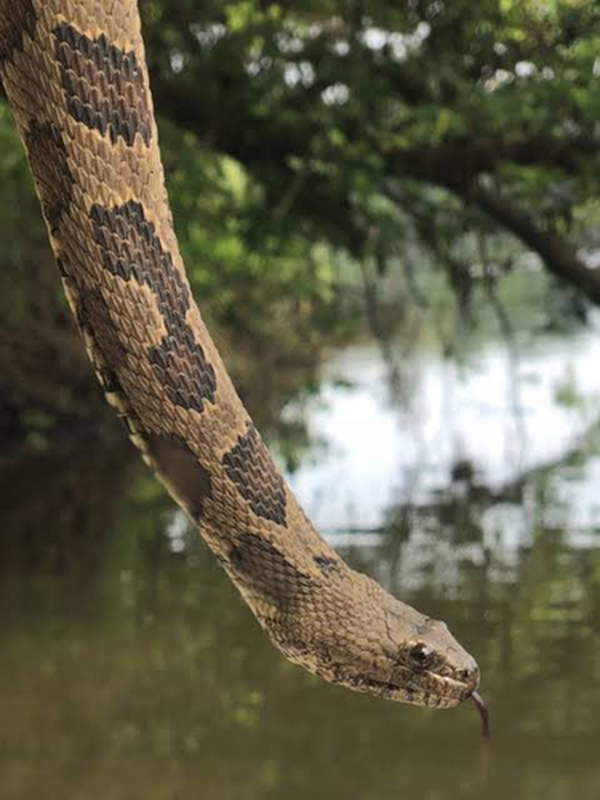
[62,268]
[17,17]
[103,85]
[48,160]
[267,572]
[111,384]
[93,315]
[325,563]
[131,249]
[182,470]
[249,465]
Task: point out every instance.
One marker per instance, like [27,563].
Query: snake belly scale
[76,79]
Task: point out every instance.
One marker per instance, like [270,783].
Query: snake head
[430,667]
[418,660]
[343,626]
[377,645]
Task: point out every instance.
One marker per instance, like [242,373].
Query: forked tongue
[483,713]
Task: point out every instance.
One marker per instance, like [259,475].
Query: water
[129,668]
[393,438]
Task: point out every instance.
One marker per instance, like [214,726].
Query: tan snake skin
[76,79]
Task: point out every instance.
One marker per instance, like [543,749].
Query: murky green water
[129,668]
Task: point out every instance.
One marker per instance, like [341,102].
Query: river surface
[130,669]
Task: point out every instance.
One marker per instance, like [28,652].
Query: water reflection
[448,417]
[130,669]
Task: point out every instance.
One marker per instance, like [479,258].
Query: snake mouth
[438,691]
[452,692]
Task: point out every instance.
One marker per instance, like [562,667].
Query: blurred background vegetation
[334,165]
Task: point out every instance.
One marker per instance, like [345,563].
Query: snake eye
[421,655]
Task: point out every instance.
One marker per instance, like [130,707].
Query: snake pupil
[421,655]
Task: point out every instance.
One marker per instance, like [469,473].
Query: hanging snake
[77,83]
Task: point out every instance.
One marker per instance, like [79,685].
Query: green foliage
[361,96]
[22,232]
[241,268]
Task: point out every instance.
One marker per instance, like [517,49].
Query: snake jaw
[437,692]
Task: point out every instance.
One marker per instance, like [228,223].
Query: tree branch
[560,257]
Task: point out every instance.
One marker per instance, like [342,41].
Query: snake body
[76,79]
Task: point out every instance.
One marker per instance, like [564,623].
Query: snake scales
[76,79]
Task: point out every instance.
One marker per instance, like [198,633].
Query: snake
[77,83]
